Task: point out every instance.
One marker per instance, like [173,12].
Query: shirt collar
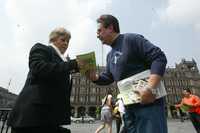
[59,53]
[115,40]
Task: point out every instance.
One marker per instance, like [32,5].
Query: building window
[81,99]
[93,90]
[72,98]
[92,99]
[73,91]
[83,81]
[82,90]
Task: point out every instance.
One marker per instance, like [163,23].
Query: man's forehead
[64,37]
[99,25]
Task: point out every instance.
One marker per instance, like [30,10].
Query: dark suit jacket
[45,98]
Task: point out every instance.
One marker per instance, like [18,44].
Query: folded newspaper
[88,60]
[129,88]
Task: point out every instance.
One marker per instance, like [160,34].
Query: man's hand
[81,63]
[146,96]
[92,75]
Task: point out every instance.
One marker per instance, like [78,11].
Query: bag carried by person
[115,112]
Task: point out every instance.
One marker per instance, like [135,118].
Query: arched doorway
[92,112]
[72,111]
[81,111]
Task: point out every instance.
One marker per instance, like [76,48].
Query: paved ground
[174,126]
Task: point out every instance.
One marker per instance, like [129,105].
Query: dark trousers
[195,119]
[118,123]
[47,129]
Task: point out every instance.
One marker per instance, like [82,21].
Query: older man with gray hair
[43,105]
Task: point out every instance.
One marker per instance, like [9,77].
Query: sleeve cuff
[73,65]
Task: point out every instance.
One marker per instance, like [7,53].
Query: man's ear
[111,28]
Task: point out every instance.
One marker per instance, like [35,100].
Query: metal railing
[4,113]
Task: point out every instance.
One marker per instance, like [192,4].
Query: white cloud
[33,20]
[186,12]
[197,27]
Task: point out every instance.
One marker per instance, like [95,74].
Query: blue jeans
[150,118]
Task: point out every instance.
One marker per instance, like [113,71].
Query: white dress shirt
[59,53]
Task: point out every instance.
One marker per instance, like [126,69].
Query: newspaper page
[129,87]
[88,60]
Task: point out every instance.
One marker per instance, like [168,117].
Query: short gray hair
[60,31]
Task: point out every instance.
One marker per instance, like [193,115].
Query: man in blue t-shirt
[131,54]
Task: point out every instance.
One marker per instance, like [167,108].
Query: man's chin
[103,42]
[63,52]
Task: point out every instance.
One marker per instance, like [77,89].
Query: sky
[172,25]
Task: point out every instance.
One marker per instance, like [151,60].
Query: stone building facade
[185,75]
[7,99]
[86,96]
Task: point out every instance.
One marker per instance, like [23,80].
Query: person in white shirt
[106,114]
[121,110]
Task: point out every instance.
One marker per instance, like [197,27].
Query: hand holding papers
[87,63]
[130,88]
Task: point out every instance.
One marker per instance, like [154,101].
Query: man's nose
[66,44]
[98,35]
